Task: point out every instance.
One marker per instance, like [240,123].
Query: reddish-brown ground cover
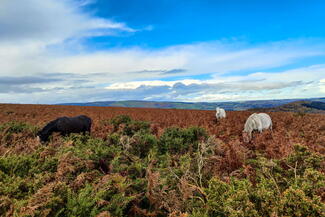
[173,184]
[289,128]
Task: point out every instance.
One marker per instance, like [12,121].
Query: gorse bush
[141,143]
[124,125]
[177,140]
[12,130]
[132,172]
[136,126]
[112,196]
[113,139]
[277,191]
[18,127]
[120,119]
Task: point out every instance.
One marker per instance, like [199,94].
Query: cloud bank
[44,59]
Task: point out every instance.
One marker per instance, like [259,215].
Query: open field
[289,128]
[138,169]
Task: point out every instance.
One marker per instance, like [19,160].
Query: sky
[59,51]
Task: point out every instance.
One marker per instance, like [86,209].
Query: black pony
[65,125]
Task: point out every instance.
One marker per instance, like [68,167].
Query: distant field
[289,128]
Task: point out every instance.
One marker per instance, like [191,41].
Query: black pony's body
[65,126]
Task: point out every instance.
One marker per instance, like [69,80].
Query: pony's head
[245,136]
[42,137]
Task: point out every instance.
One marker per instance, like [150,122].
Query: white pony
[220,113]
[258,122]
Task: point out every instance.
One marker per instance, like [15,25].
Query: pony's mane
[248,122]
[49,126]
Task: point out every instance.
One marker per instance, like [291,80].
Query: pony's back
[49,126]
[266,120]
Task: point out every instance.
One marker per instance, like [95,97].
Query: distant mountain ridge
[230,106]
[303,106]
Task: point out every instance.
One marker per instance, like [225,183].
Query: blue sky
[56,51]
[188,21]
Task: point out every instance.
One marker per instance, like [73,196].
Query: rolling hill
[230,106]
[298,106]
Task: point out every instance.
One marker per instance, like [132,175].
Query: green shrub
[120,119]
[134,127]
[50,200]
[277,190]
[88,148]
[172,141]
[18,127]
[113,139]
[82,203]
[303,159]
[177,140]
[18,165]
[124,125]
[142,143]
[230,199]
[193,135]
[112,196]
[9,131]
[16,187]
[295,202]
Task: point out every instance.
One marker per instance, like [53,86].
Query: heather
[134,166]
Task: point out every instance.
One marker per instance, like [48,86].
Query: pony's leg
[86,129]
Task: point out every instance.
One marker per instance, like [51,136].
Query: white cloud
[136,84]
[51,21]
[137,73]
[125,65]
[322,85]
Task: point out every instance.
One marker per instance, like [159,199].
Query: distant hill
[315,105]
[230,106]
[303,106]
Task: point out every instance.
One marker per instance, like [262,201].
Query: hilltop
[230,106]
[298,106]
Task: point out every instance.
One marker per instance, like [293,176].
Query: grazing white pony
[260,122]
[220,113]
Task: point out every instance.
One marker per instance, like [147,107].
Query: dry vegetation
[289,128]
[159,163]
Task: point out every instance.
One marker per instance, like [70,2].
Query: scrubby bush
[120,119]
[110,194]
[142,143]
[134,127]
[89,148]
[177,140]
[230,199]
[18,127]
[10,131]
[124,125]
[277,191]
[50,200]
[113,139]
